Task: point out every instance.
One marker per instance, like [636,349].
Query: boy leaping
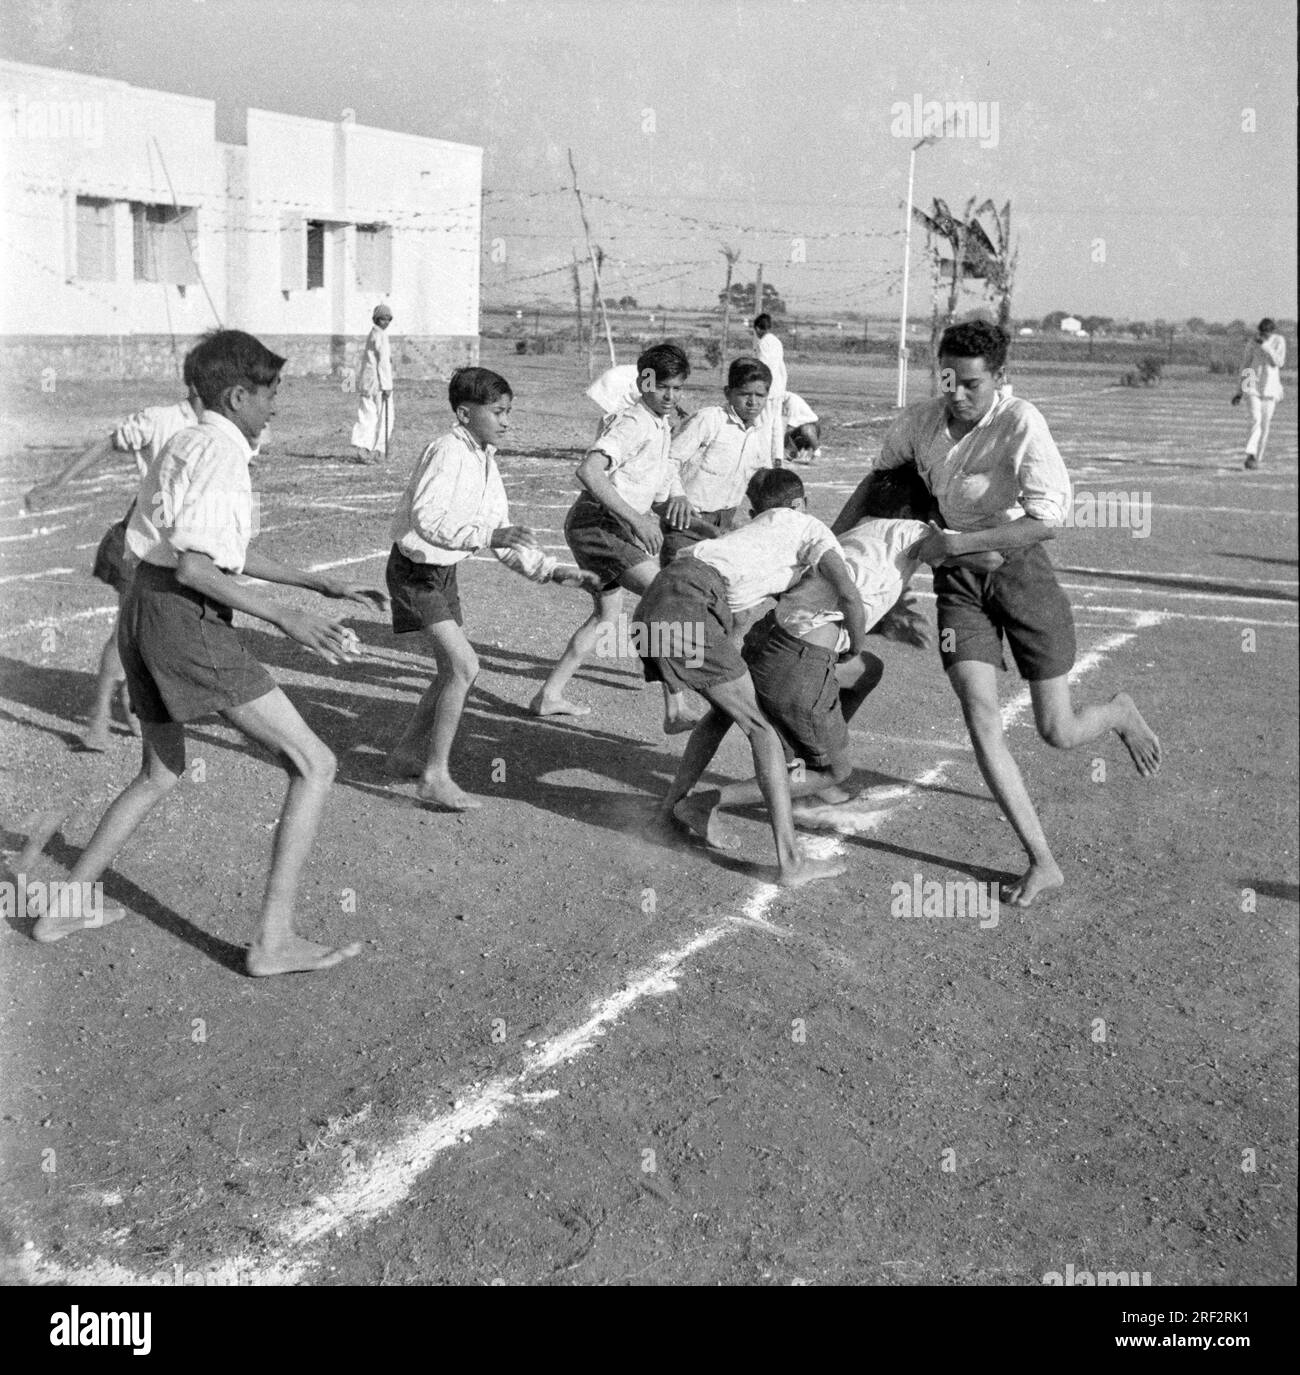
[455,504]
[684,626]
[190,531]
[993,466]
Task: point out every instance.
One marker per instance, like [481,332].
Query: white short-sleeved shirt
[453,502]
[762,559]
[798,411]
[716,454]
[1007,467]
[196,497]
[772,352]
[616,389]
[636,444]
[146,432]
[876,554]
[1261,368]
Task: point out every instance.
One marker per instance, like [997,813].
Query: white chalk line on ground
[53,622]
[367,1192]
[32,577]
[33,534]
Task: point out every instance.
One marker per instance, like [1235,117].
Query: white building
[1071,325]
[127,229]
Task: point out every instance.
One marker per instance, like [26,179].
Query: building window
[374,258]
[315,254]
[95,247]
[162,236]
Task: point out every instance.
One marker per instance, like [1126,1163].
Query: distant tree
[1216,329]
[1098,324]
[626,303]
[1052,320]
[1194,325]
[742,298]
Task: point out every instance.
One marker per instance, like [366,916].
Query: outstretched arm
[943,546]
[257,565]
[42,491]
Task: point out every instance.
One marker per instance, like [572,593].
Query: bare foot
[53,926]
[97,737]
[679,725]
[39,830]
[442,792]
[403,765]
[699,814]
[834,795]
[810,870]
[1038,878]
[541,705]
[1139,739]
[296,956]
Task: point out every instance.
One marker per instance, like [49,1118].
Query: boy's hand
[336,588]
[987,562]
[678,513]
[648,534]
[37,498]
[513,537]
[332,640]
[1236,399]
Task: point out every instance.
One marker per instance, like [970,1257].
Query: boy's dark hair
[976,339]
[763,321]
[666,361]
[743,371]
[897,494]
[477,387]
[1266,326]
[801,441]
[772,487]
[228,358]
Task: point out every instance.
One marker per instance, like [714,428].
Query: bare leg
[432,729]
[976,687]
[1064,727]
[161,767]
[550,700]
[272,721]
[111,675]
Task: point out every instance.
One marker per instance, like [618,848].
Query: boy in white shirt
[684,628]
[144,436]
[992,464]
[1261,385]
[717,451]
[772,352]
[613,529]
[453,506]
[190,532]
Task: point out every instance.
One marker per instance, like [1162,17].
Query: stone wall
[27,357]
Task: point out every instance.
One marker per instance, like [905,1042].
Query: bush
[713,352]
[1150,370]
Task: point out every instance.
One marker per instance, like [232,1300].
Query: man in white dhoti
[1261,385]
[374,427]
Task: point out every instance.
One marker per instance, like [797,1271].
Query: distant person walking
[772,352]
[374,427]
[1261,385]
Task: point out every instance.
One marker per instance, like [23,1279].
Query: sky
[1147,147]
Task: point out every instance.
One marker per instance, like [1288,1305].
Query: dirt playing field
[574,1054]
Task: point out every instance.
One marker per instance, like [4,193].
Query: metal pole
[901,399]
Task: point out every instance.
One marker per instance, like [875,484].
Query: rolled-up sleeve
[1044,482]
[900,443]
[135,433]
[532,564]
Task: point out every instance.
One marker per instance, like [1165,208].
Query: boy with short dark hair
[717,451]
[190,532]
[684,631]
[990,460]
[454,505]
[613,529]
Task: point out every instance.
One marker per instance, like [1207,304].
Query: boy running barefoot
[454,505]
[991,462]
[143,435]
[807,684]
[612,528]
[717,451]
[190,531]
[684,631]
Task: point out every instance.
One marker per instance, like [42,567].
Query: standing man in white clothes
[374,427]
[1261,385]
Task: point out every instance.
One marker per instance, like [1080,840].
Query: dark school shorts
[704,525]
[113,563]
[422,594]
[682,629]
[602,543]
[797,689]
[180,651]
[1022,601]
